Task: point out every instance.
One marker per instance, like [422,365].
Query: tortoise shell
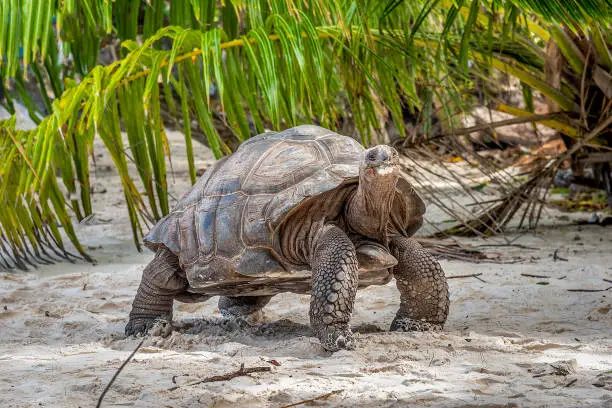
[227,226]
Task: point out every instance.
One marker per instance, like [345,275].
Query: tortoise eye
[372,156]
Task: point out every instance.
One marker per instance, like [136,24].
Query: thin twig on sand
[589,290]
[535,276]
[225,377]
[569,384]
[471,275]
[508,245]
[541,375]
[556,257]
[308,401]
[117,373]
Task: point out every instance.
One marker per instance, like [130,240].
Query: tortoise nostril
[383,155]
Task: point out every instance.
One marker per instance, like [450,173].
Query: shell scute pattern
[189,234]
[255,228]
[342,150]
[207,222]
[228,235]
[227,221]
[285,165]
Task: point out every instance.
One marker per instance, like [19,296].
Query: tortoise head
[368,210]
[379,163]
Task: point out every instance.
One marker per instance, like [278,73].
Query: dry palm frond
[530,194]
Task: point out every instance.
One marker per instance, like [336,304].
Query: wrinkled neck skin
[369,209]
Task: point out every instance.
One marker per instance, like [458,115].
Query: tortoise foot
[406,324]
[335,338]
[153,326]
[248,307]
[234,323]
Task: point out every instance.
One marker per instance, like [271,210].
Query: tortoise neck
[369,208]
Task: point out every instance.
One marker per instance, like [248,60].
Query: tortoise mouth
[381,169]
[380,164]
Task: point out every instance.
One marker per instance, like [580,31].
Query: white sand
[61,337]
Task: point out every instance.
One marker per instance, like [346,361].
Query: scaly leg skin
[422,286]
[334,285]
[241,306]
[162,281]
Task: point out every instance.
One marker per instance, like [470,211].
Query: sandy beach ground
[510,340]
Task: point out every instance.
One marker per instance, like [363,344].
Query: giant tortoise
[304,210]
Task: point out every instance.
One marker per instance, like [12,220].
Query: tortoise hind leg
[162,282]
[241,306]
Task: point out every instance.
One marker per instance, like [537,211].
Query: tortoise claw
[406,324]
[334,339]
[153,326]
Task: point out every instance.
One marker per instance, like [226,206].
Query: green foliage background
[251,65]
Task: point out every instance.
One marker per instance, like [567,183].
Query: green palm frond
[256,65]
[574,13]
[286,72]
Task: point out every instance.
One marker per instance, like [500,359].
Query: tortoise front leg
[422,286]
[162,282]
[334,285]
